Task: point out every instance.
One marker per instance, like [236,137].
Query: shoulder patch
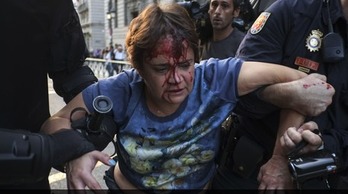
[259,23]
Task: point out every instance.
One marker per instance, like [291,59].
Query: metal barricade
[98,66]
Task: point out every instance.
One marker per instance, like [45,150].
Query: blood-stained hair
[156,22]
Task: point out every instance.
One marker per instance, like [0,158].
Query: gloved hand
[27,157]
[67,144]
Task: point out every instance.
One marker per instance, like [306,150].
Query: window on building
[131,10]
[135,14]
[116,14]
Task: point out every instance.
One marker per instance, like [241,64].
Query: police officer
[310,36]
[39,38]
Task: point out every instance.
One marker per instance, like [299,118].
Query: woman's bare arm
[61,119]
[254,75]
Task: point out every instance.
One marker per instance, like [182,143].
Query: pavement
[57,179]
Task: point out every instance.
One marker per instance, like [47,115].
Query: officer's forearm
[279,95]
[288,118]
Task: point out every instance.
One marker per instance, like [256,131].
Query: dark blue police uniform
[290,32]
[39,38]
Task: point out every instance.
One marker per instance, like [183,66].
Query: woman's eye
[161,69]
[185,65]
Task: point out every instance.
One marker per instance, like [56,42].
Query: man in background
[225,38]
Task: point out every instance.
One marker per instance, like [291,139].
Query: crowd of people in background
[101,53]
[111,54]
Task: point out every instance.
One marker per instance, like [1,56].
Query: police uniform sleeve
[336,141]
[264,42]
[68,52]
[265,39]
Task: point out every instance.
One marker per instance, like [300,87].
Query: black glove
[27,157]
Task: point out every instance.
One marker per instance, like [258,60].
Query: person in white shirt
[119,56]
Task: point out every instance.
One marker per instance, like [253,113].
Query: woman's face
[169,76]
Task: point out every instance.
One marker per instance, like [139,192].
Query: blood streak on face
[174,48]
[191,77]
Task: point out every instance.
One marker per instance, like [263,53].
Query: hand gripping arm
[27,157]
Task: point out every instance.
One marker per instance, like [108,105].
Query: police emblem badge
[259,23]
[313,42]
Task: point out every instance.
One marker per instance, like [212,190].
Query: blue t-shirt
[176,151]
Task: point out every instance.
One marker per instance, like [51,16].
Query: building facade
[119,13]
[105,22]
[92,16]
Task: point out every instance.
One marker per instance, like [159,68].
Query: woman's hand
[79,171]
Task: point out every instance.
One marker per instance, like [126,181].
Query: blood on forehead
[172,47]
